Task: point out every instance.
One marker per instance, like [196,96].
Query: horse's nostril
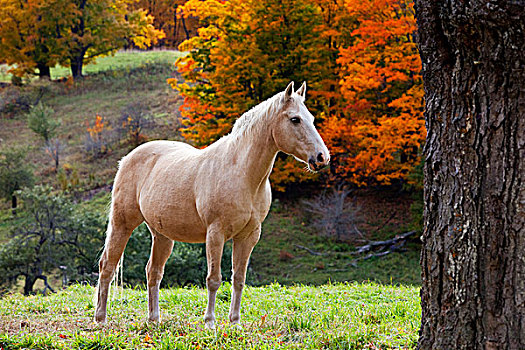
[320,158]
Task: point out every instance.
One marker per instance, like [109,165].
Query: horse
[209,195]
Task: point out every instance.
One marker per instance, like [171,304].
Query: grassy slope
[141,76]
[276,257]
[121,59]
[335,316]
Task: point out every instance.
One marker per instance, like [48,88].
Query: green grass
[120,80]
[120,60]
[141,76]
[332,316]
[277,257]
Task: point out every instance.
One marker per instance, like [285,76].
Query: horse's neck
[254,155]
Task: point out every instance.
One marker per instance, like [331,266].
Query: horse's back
[153,149]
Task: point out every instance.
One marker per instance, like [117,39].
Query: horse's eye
[295,120]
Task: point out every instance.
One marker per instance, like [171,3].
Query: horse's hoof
[99,320]
[236,325]
[209,325]
[154,319]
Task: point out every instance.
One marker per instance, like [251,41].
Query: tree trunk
[76,66]
[43,71]
[28,285]
[473,257]
[183,21]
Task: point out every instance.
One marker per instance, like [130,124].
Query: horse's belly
[174,217]
[177,226]
[183,232]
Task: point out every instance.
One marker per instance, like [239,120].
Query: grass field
[120,60]
[115,82]
[333,316]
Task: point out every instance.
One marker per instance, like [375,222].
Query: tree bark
[14,202]
[43,71]
[28,285]
[473,256]
[76,66]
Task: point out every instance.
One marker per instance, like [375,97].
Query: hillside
[117,83]
[333,316]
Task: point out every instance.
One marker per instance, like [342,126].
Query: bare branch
[309,250]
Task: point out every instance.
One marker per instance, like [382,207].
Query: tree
[101,27]
[38,34]
[473,293]
[15,173]
[360,61]
[32,33]
[170,20]
[237,61]
[378,139]
[40,120]
[53,235]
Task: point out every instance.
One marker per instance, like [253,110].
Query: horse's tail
[118,276]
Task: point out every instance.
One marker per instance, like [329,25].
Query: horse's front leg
[214,246]
[242,248]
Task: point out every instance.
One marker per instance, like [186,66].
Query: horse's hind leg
[160,252]
[121,225]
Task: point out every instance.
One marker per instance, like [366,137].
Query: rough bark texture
[43,71]
[473,293]
[77,64]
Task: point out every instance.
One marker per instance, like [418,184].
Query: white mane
[256,117]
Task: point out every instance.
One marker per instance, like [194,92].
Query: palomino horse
[211,195]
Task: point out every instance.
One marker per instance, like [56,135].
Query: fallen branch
[383,244]
[393,248]
[308,250]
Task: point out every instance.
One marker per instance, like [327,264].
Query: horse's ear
[302,90]
[289,91]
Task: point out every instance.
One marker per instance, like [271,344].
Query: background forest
[83,82]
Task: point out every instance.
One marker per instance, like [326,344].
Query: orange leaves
[99,126]
[98,136]
[237,61]
[381,81]
[383,51]
[359,59]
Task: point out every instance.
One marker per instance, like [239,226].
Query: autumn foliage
[359,59]
[169,19]
[98,136]
[380,137]
[248,51]
[38,34]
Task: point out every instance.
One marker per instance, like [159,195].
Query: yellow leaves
[362,68]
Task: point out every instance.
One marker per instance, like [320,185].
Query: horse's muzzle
[319,162]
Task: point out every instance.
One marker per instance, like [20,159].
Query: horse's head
[294,131]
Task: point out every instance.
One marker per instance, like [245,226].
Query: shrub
[14,100]
[15,173]
[134,118]
[334,216]
[40,120]
[54,149]
[98,137]
[53,236]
